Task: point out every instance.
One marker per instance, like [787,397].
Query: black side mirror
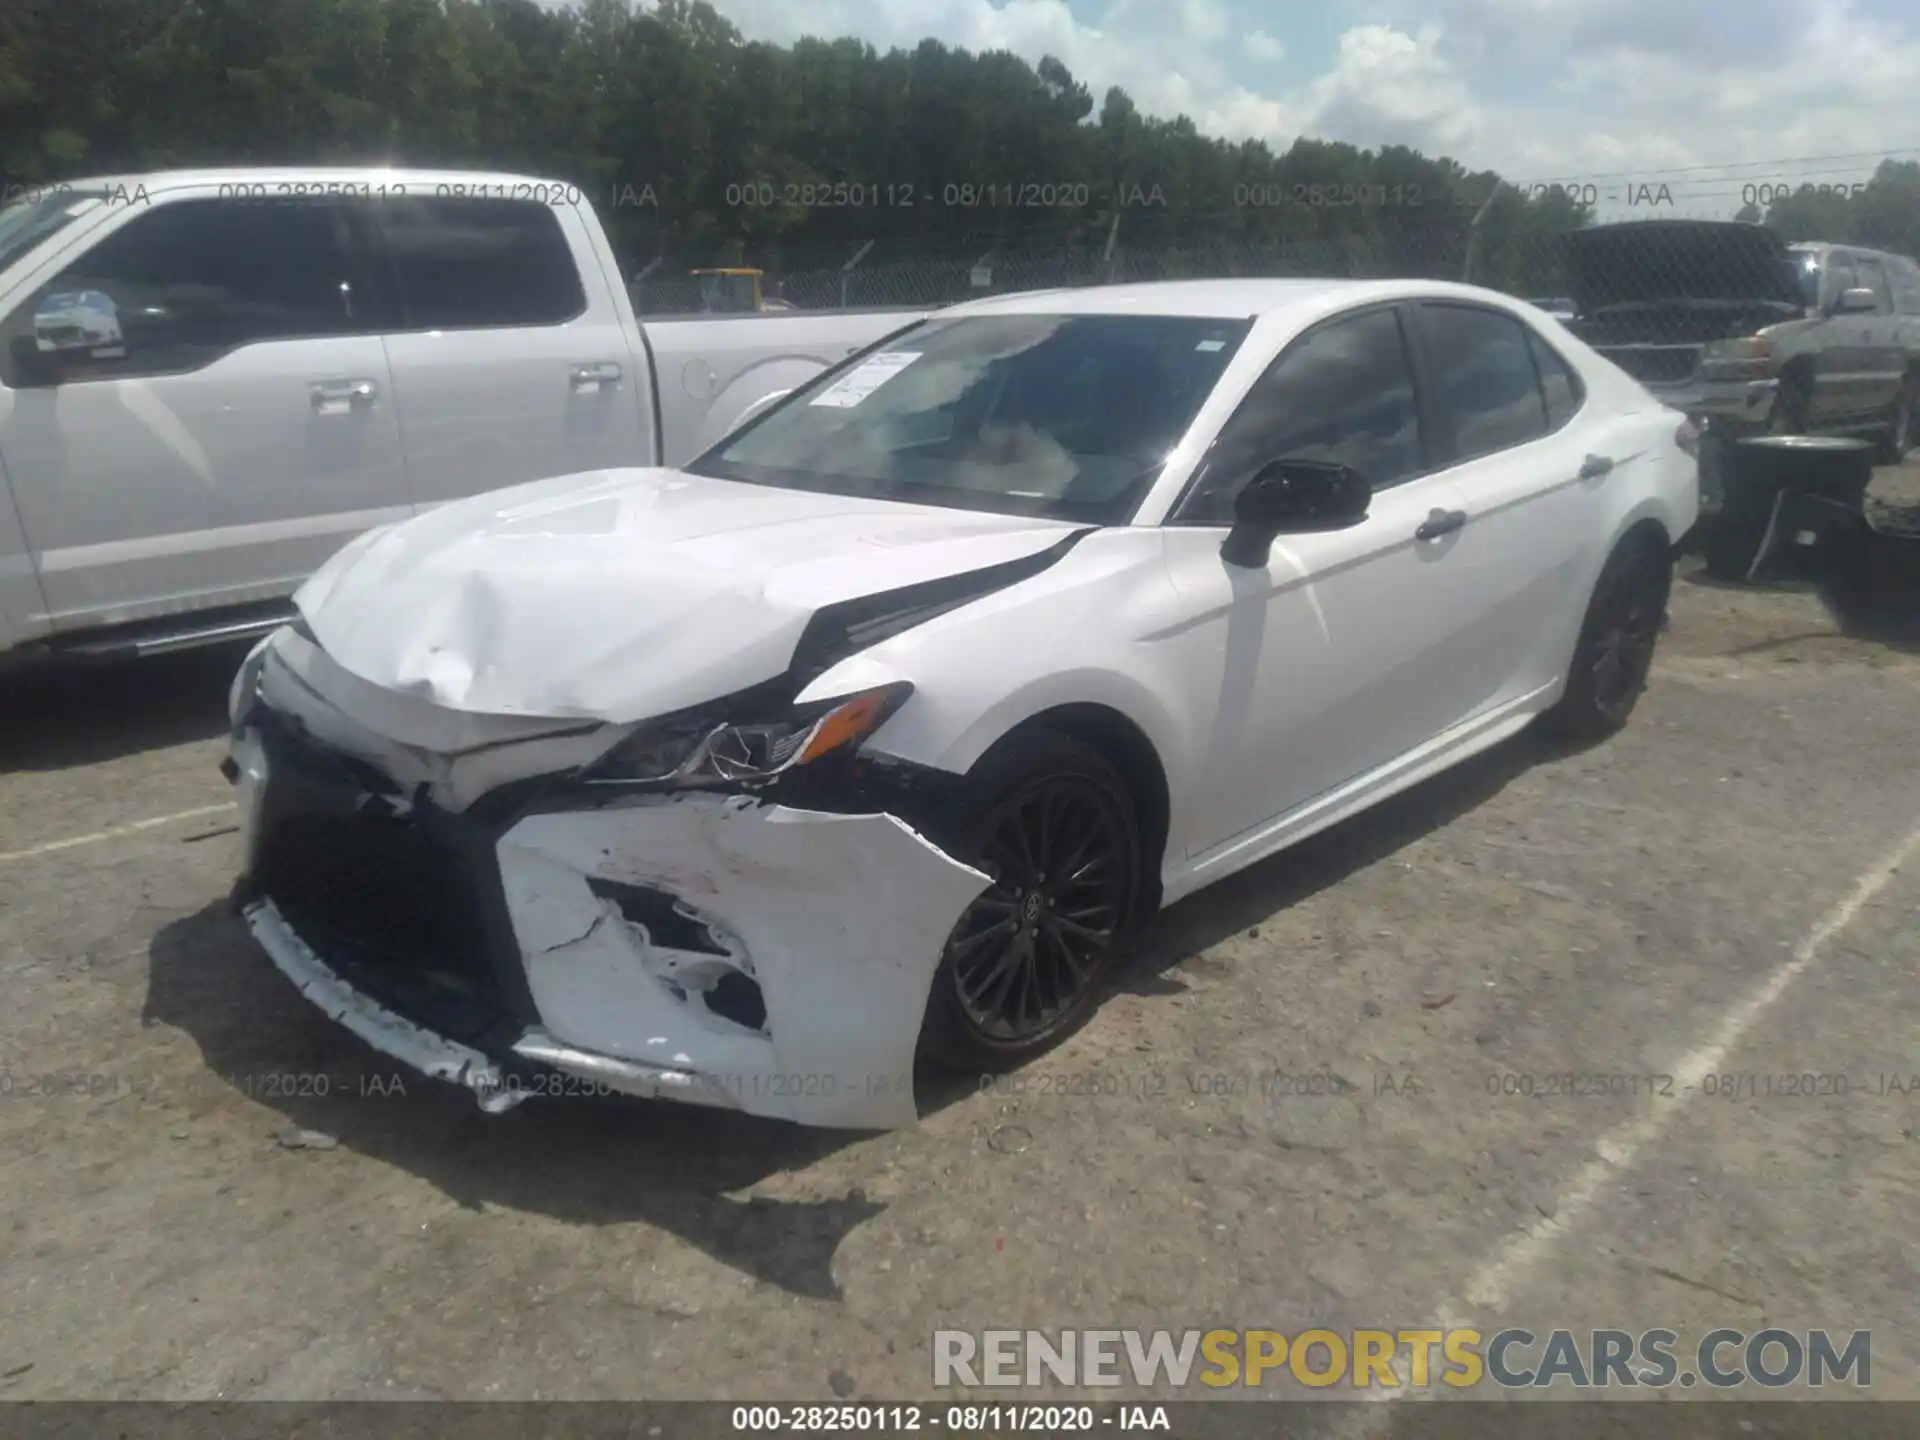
[1293,497]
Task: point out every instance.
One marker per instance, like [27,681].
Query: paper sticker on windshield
[865,378]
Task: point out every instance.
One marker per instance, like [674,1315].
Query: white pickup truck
[211,380]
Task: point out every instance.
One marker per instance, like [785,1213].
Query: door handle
[1594,466]
[594,377]
[1440,522]
[338,397]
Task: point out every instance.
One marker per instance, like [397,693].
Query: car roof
[1217,299]
[272,174]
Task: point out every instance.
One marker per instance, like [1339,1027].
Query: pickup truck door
[1839,342]
[194,412]
[509,360]
[1879,359]
[23,608]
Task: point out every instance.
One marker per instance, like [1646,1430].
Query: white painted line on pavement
[1492,1285]
[7,857]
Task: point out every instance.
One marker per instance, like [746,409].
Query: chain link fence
[936,281]
[1634,261]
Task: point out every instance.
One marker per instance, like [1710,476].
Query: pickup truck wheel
[1899,439]
[1054,825]
[1614,654]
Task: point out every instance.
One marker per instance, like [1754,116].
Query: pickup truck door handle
[1594,466]
[594,377]
[339,397]
[1440,522]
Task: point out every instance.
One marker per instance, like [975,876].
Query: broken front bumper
[697,947]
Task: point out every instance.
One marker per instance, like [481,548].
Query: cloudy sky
[1706,97]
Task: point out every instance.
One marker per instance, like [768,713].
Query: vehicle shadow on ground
[583,1161]
[1880,605]
[1261,891]
[1281,881]
[65,718]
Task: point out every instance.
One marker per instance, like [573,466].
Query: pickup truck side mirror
[1293,497]
[1854,301]
[69,328]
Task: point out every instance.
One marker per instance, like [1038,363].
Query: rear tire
[1054,824]
[1614,654]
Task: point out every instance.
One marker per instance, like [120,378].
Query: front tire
[1054,825]
[1614,655]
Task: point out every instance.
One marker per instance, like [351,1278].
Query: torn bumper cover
[699,947]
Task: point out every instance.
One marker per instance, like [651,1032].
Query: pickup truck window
[1066,416]
[463,263]
[1874,277]
[184,283]
[1906,286]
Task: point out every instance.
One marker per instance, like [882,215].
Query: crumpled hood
[620,594]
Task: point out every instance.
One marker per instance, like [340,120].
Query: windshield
[1806,269]
[26,222]
[1065,416]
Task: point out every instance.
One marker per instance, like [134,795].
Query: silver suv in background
[1743,332]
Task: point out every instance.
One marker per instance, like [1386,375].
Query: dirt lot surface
[1729,888]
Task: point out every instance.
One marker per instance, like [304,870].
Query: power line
[1905,150]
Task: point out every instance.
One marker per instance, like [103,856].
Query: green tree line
[1880,213]
[700,147]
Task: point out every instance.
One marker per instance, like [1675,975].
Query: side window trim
[1446,431]
[1537,346]
[1177,512]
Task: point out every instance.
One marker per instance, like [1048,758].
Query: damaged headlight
[698,751]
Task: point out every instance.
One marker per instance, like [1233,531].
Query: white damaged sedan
[863,740]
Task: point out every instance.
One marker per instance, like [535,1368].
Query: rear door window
[1873,276]
[465,263]
[1905,279]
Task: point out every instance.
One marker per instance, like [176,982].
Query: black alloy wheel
[1055,830]
[1614,655]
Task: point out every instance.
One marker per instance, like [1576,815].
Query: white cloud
[1392,88]
[1262,46]
[1171,58]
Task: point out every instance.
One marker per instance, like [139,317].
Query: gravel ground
[1698,892]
